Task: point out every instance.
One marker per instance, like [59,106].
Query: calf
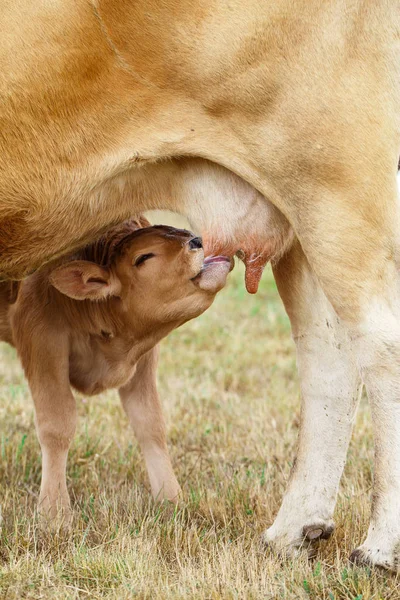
[93,321]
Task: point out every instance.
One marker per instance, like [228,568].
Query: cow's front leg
[330,387]
[139,398]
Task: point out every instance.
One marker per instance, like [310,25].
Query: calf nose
[195,243]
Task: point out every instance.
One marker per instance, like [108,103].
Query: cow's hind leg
[330,386]
[351,242]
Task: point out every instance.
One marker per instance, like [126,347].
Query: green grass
[230,391]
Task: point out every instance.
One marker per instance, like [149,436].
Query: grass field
[229,387]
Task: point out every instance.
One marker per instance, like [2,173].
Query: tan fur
[91,90]
[93,321]
[299,98]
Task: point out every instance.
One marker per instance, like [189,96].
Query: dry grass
[231,397]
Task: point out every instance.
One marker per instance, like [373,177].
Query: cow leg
[140,400]
[330,386]
[351,243]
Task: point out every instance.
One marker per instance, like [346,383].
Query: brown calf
[93,321]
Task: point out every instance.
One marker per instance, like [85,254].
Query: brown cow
[300,98]
[93,322]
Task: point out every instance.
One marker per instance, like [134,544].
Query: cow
[287,108]
[93,321]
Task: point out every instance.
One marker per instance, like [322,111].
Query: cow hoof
[318,531]
[360,558]
[293,541]
[365,557]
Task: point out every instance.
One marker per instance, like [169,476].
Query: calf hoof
[53,519]
[168,493]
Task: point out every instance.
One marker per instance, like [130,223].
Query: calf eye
[142,259]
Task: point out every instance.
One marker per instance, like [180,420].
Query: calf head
[153,276]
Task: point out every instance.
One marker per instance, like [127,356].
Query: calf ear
[84,280]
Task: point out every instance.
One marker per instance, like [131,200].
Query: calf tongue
[255,265]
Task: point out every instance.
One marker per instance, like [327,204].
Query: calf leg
[330,386]
[55,418]
[140,400]
[55,424]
